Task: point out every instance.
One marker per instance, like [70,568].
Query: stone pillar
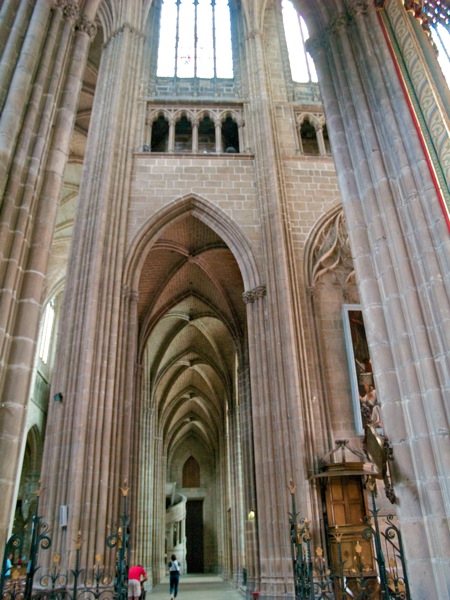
[29,210]
[14,19]
[248,558]
[84,465]
[171,147]
[241,136]
[320,141]
[148,135]
[238,492]
[195,136]
[17,77]
[218,132]
[149,526]
[394,219]
[277,369]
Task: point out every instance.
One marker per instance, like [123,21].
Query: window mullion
[213,4]
[177,37]
[305,57]
[195,36]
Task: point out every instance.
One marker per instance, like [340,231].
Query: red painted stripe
[416,125]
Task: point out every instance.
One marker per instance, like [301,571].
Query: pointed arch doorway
[193,401]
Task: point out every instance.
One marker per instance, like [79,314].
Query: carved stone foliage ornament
[69,8]
[250,296]
[87,26]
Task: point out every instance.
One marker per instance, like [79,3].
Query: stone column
[149,525]
[241,136]
[394,220]
[282,385]
[17,77]
[195,136]
[249,553]
[148,135]
[29,215]
[14,22]
[84,465]
[171,147]
[218,136]
[320,141]
[238,492]
[276,346]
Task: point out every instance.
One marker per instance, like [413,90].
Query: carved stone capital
[87,26]
[250,296]
[338,23]
[315,45]
[358,7]
[69,8]
[254,34]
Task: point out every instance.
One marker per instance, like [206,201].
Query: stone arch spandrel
[328,247]
[209,214]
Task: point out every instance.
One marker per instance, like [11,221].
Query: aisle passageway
[197,587]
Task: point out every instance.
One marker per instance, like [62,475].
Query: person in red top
[135,576]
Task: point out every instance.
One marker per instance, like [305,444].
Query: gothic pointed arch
[191,473]
[189,267]
[213,217]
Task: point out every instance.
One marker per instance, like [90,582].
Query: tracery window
[441,38]
[195,39]
[313,134]
[308,137]
[46,332]
[194,129]
[296,32]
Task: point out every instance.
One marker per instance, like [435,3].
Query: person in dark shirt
[174,574]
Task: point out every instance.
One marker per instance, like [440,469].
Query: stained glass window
[302,65]
[47,329]
[438,17]
[195,39]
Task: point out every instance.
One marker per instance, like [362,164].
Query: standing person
[174,573]
[135,576]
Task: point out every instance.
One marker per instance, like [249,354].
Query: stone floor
[196,587]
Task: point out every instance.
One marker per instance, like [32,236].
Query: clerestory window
[46,332]
[437,13]
[195,39]
[296,32]
[441,38]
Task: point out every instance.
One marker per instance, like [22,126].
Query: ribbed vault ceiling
[192,322]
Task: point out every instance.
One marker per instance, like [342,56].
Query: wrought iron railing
[58,583]
[350,577]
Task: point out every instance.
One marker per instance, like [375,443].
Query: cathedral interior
[224,236]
